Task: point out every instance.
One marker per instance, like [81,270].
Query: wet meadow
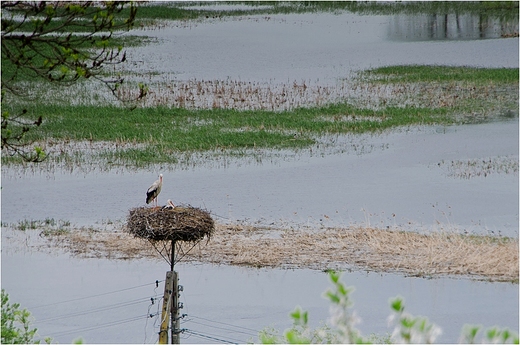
[377,139]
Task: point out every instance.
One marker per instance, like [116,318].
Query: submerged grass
[158,132]
[166,132]
[429,255]
[48,226]
[406,95]
[423,255]
[417,95]
[161,130]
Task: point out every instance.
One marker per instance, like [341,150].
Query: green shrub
[408,329]
[16,328]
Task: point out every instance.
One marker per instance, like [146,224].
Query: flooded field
[279,62]
[426,179]
[417,179]
[285,61]
[363,188]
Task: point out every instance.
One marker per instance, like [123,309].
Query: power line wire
[226,324]
[224,329]
[91,328]
[95,310]
[154,299]
[211,337]
[98,295]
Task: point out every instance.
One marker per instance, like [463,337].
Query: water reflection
[425,27]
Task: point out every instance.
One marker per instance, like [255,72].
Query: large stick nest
[177,224]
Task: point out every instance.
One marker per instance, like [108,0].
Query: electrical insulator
[181,288]
[181,305]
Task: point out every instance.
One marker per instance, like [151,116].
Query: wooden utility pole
[172,259]
[175,320]
[170,310]
[167,303]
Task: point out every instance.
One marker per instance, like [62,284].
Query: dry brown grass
[355,248]
[100,244]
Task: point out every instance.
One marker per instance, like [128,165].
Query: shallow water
[280,62]
[75,299]
[398,175]
[403,178]
[320,47]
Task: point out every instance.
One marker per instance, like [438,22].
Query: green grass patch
[421,73]
[184,130]
[166,132]
[492,9]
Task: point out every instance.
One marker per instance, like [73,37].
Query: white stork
[154,190]
[169,205]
